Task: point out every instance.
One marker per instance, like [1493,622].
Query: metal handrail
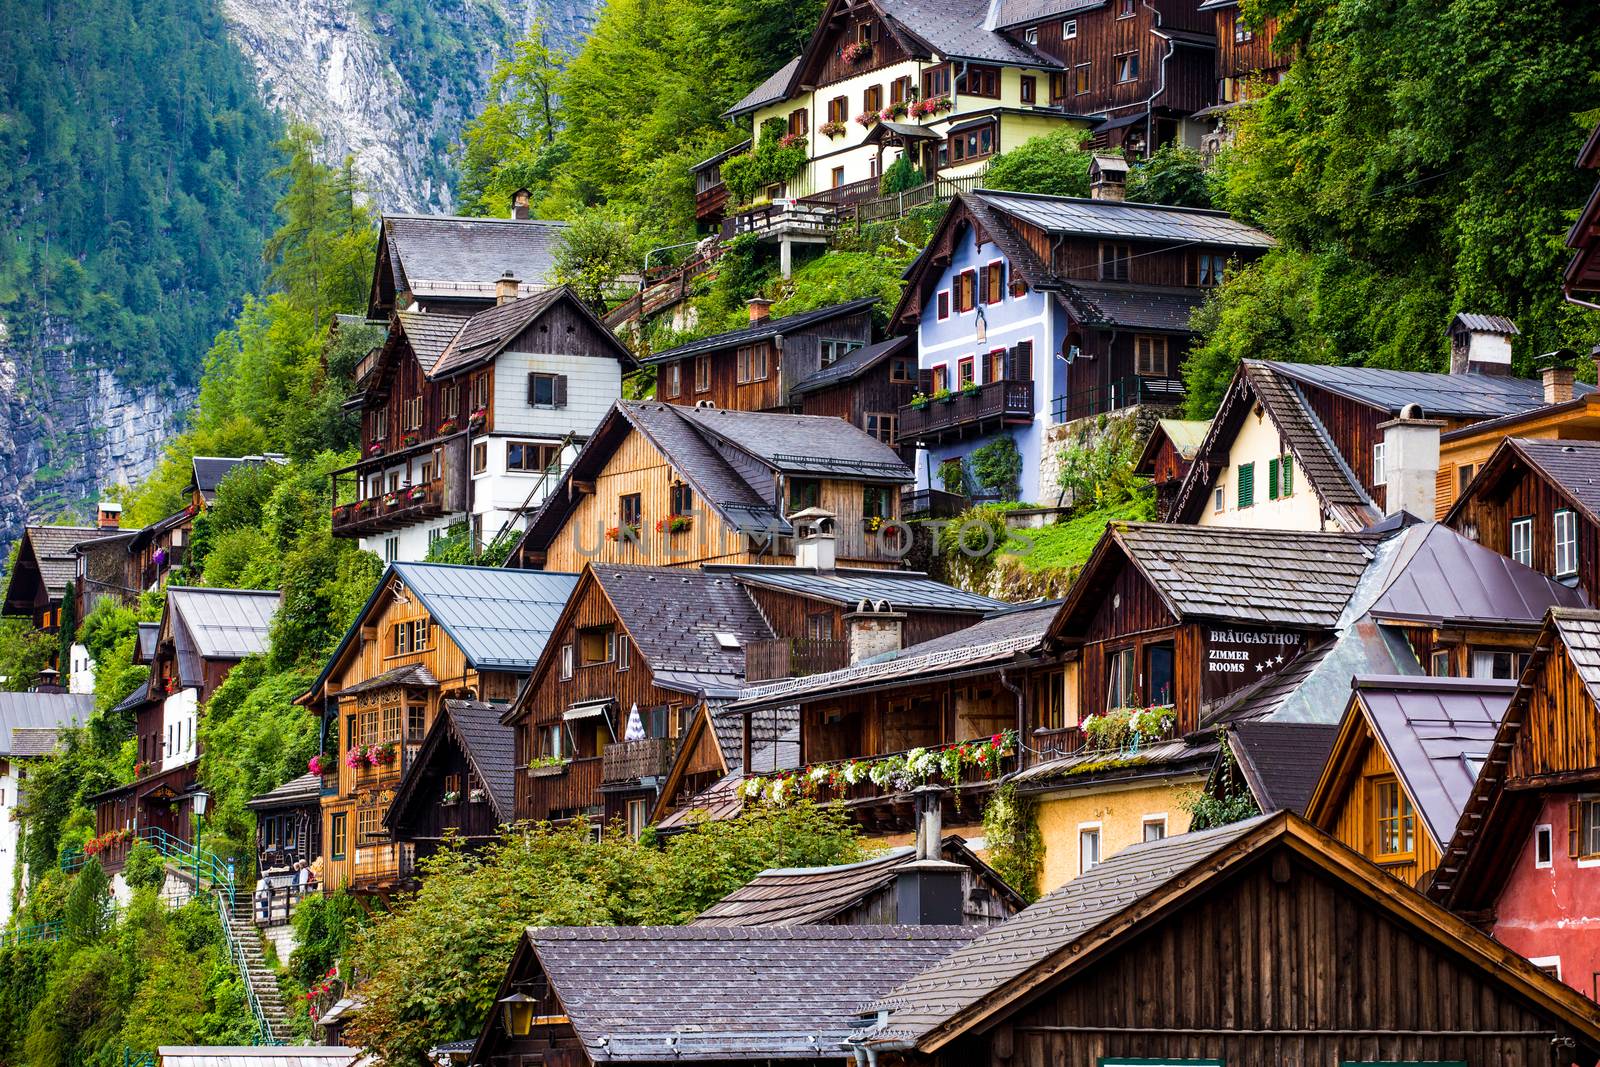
[264,1035]
[45,931]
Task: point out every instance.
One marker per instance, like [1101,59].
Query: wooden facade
[1247,51]
[446,801]
[1361,786]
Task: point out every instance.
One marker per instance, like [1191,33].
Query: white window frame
[1564,528]
[638,818]
[1548,833]
[1094,828]
[566,661]
[1069,30]
[1522,540]
[1542,962]
[1160,819]
[1031,35]
[1219,500]
[1380,469]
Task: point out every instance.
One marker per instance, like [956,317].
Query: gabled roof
[489,747]
[1442,578]
[1287,578]
[760,331]
[1186,437]
[791,896]
[770,91]
[23,714]
[1573,467]
[1083,217]
[429,334]
[1074,927]
[848,586]
[817,445]
[1280,761]
[413,674]
[491,331]
[1468,320]
[304,791]
[675,615]
[742,994]
[992,641]
[961,29]
[1464,396]
[224,624]
[52,549]
[852,366]
[461,258]
[1009,13]
[206,472]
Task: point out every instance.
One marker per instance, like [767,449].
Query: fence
[1114,396]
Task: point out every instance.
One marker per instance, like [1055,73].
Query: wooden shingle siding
[886,52]
[1242,59]
[1490,512]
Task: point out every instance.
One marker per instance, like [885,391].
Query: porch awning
[588,709]
[904,132]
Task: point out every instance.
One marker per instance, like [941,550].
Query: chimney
[1481,344]
[505,290]
[814,541]
[1108,176]
[760,309]
[1411,463]
[48,681]
[520,201]
[110,517]
[873,629]
[1557,375]
[928,891]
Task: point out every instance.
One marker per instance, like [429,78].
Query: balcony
[628,761]
[961,766]
[392,511]
[793,219]
[962,414]
[792,657]
[380,865]
[1122,393]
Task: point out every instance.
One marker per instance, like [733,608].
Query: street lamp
[200,799]
[516,1013]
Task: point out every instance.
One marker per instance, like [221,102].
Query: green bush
[901,175]
[1055,164]
[997,466]
[953,477]
[1174,174]
[144,867]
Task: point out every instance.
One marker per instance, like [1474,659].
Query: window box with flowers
[142,768]
[451,796]
[971,389]
[478,418]
[966,763]
[409,439]
[477,796]
[391,499]
[447,426]
[896,110]
[935,105]
[792,140]
[856,52]
[546,766]
[675,524]
[886,526]
[868,119]
[375,449]
[833,129]
[417,494]
[920,401]
[382,755]
[622,533]
[944,396]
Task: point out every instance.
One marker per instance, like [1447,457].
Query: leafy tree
[512,143]
[89,908]
[24,652]
[144,868]
[1054,163]
[1174,174]
[997,466]
[773,159]
[593,253]
[901,175]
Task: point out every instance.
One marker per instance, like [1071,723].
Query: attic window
[727,640]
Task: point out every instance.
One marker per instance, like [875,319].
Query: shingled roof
[429,334]
[850,367]
[773,88]
[52,550]
[23,713]
[1146,307]
[455,257]
[759,331]
[735,994]
[1280,761]
[206,472]
[491,331]
[848,586]
[303,791]
[474,727]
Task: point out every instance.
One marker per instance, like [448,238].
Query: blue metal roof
[499,618]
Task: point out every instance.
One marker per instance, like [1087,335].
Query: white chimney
[505,289]
[1481,344]
[1411,463]
[814,542]
[873,629]
[110,517]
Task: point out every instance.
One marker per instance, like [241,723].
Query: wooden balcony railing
[378,864]
[828,782]
[932,503]
[782,217]
[999,403]
[626,761]
[792,657]
[392,511]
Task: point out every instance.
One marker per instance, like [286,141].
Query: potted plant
[792,140]
[867,119]
[943,396]
[409,439]
[477,796]
[674,524]
[381,755]
[856,52]
[478,418]
[833,129]
[971,389]
[375,448]
[618,533]
[896,110]
[356,758]
[418,492]
[451,796]
[546,766]
[390,499]
[920,401]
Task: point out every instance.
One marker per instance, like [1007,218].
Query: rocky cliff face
[361,72]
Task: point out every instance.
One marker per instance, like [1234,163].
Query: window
[981,81]
[872,99]
[837,177]
[1150,356]
[902,369]
[966,288]
[1155,827]
[900,90]
[1114,260]
[1394,821]
[1280,477]
[1158,674]
[1127,65]
[368,825]
[972,144]
[391,549]
[1031,35]
[416,721]
[1463,478]
[1583,829]
[994,282]
[410,636]
[1566,527]
[680,496]
[702,374]
[839,109]
[935,82]
[1208,269]
[336,831]
[798,124]
[449,401]
[636,819]
[550,390]
[1088,848]
[1439,663]
[1126,8]
[1380,475]
[378,424]
[1030,90]
[480,392]
[1120,669]
[566,661]
[480,457]
[965,372]
[940,377]
[1247,485]
[389,723]
[833,351]
[877,502]
[597,644]
[943,304]
[752,363]
[880,424]
[804,493]
[1219,499]
[630,510]
[1069,29]
[671,379]
[1241,32]
[1506,666]
[531,457]
[551,740]
[1543,846]
[624,655]
[997,365]
[411,413]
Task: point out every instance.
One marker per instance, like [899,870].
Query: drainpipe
[1172,46]
[1022,714]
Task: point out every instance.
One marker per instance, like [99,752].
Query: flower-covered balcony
[969,411]
[964,766]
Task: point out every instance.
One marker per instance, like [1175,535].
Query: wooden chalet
[430,632]
[1523,860]
[668,485]
[1261,943]
[46,564]
[460,786]
[1168,452]
[1538,502]
[1322,447]
[575,996]
[1011,281]
[1250,60]
[468,418]
[1402,766]
[203,635]
[760,367]
[1581,280]
[450,264]
[288,824]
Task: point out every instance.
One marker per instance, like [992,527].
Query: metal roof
[758,331]
[207,472]
[1468,320]
[794,444]
[1116,218]
[38,711]
[904,590]
[1437,733]
[1439,395]
[1442,578]
[1148,307]
[1186,435]
[296,792]
[224,623]
[257,1056]
[500,618]
[697,993]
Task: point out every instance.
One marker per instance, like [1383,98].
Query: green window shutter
[1272,479]
[1286,478]
[1247,484]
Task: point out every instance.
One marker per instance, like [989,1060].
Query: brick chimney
[110,517]
[1411,463]
[1557,375]
[928,891]
[520,204]
[1108,176]
[760,309]
[505,290]
[873,629]
[1481,344]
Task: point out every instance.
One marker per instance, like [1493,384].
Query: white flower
[818,774]
[881,773]
[751,788]
[854,771]
[775,794]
